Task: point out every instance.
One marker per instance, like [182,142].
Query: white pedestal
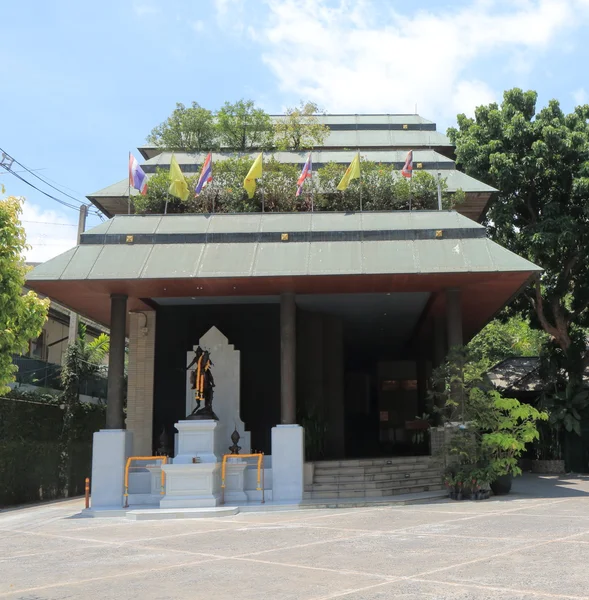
[188,484]
[192,486]
[235,480]
[197,438]
[288,458]
[110,450]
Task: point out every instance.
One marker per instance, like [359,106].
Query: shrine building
[320,325]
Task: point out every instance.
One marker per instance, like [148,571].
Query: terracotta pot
[502,485]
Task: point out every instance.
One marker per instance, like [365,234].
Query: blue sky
[84,83]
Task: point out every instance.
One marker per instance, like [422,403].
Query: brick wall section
[140,380]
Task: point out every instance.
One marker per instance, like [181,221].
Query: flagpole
[410,190]
[129,175]
[439,193]
[360,169]
[262,182]
[311,178]
[166,206]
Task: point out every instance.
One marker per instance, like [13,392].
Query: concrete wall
[142,330]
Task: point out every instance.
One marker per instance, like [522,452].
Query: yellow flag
[352,172]
[178,187]
[249,183]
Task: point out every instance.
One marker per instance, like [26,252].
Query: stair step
[412,489]
[368,462]
[348,470]
[388,475]
[373,485]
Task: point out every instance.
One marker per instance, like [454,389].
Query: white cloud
[198,26]
[142,9]
[357,56]
[230,15]
[49,232]
[580,96]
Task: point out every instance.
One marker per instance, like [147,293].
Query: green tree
[539,160]
[81,361]
[188,129]
[300,129]
[21,315]
[241,126]
[503,339]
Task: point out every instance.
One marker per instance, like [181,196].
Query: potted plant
[450,483]
[489,430]
[510,426]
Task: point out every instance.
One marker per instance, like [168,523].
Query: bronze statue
[202,382]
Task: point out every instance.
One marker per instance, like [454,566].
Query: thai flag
[206,175]
[137,176]
[306,174]
[408,167]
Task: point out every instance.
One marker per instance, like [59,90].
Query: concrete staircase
[373,478]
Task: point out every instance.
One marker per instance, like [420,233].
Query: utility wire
[50,223]
[40,190]
[63,202]
[40,178]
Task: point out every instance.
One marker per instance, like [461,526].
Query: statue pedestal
[189,484]
[196,438]
[235,480]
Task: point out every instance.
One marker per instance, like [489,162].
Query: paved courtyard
[532,544]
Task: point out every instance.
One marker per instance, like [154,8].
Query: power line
[42,169]
[50,223]
[38,189]
[7,162]
[39,177]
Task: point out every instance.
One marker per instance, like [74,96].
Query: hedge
[30,428]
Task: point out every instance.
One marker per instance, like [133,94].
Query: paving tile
[247,539]
[80,564]
[549,568]
[507,526]
[391,555]
[413,590]
[220,580]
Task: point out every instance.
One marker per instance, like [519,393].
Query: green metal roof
[251,245]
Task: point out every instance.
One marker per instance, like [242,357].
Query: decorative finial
[235,439]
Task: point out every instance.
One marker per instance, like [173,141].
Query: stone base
[288,459]
[235,480]
[196,439]
[110,450]
[192,485]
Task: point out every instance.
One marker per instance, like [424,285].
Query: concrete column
[422,390]
[310,362]
[140,380]
[439,352]
[454,318]
[288,349]
[455,340]
[439,341]
[116,362]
